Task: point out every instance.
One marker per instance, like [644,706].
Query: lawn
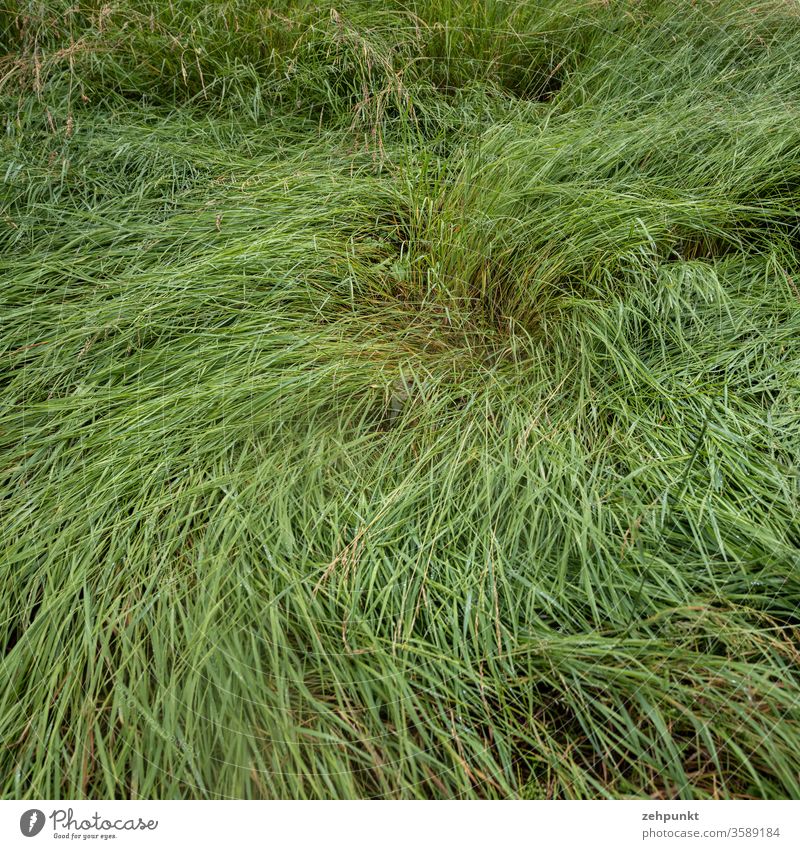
[400,399]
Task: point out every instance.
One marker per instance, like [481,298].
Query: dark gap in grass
[539,87]
[703,247]
[17,631]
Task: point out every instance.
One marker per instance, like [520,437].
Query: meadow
[400,399]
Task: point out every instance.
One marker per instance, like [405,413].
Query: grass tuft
[400,400]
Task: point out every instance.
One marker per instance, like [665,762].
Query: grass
[400,400]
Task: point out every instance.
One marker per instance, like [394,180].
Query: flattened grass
[400,402]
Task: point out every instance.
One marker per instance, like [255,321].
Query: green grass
[401,400]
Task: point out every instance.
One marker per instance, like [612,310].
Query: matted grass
[400,400]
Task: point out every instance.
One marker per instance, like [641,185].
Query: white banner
[444,825]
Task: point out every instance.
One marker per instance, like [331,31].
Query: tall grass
[400,400]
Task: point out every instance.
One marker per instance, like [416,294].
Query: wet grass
[401,400]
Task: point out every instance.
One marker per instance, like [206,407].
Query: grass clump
[400,401]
